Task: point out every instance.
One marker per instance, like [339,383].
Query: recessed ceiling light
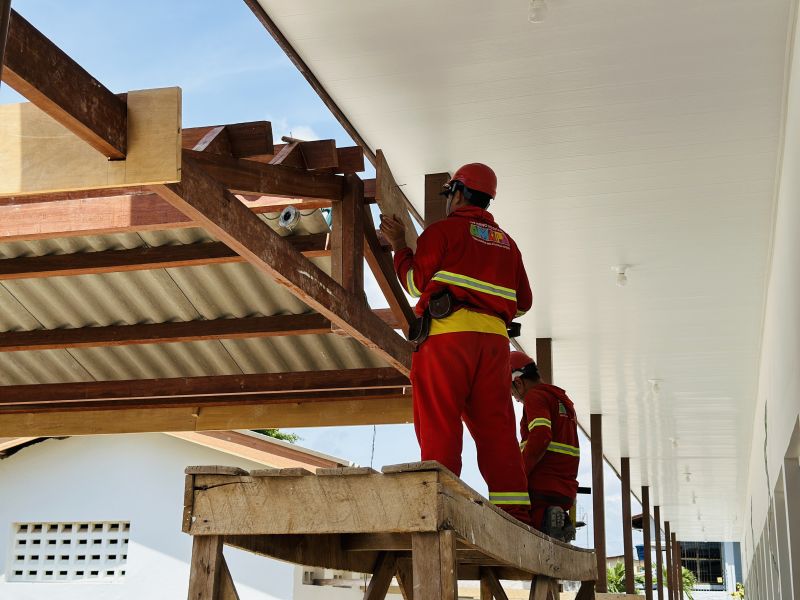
[622,274]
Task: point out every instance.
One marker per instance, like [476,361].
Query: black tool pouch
[419,329]
[441,305]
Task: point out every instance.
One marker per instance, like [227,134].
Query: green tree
[615,578]
[689,581]
[279,435]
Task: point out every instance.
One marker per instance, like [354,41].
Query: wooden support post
[659,557]
[45,75]
[679,569]
[486,590]
[435,204]
[544,588]
[544,359]
[490,580]
[347,258]
[5,17]
[586,591]
[381,577]
[598,500]
[207,568]
[668,554]
[648,552]
[227,589]
[405,578]
[434,560]
[627,530]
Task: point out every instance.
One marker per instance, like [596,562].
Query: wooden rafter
[239,140]
[208,203]
[170,332]
[139,259]
[45,75]
[5,17]
[347,241]
[212,385]
[434,203]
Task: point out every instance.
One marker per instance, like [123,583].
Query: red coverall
[462,370]
[550,449]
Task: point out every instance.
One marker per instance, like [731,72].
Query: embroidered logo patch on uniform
[562,410]
[489,235]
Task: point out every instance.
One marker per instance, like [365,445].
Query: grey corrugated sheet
[161,295]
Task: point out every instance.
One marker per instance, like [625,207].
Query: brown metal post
[627,531]
[668,554]
[659,557]
[544,360]
[598,500]
[648,555]
[679,568]
[675,568]
[5,18]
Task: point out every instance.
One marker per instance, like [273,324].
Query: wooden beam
[679,570]
[646,539]
[210,385]
[598,500]
[45,75]
[382,267]
[433,557]
[544,359]
[207,568]
[239,140]
[315,154]
[227,589]
[390,199]
[206,202]
[170,332]
[405,578]
[493,583]
[144,258]
[333,413]
[288,155]
[5,17]
[347,241]
[435,204]
[382,577]
[659,562]
[252,177]
[627,528]
[668,555]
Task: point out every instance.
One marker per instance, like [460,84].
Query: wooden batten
[391,200]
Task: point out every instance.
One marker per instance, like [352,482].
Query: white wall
[778,401]
[136,478]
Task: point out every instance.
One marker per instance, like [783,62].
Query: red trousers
[466,375]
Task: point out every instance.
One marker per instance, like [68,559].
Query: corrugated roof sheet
[155,296]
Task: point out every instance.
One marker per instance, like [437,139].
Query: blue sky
[230,71]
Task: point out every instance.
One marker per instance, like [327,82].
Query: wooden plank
[145,258]
[435,203]
[206,202]
[240,140]
[206,568]
[347,243]
[5,18]
[161,333]
[648,552]
[382,267]
[38,154]
[382,577]
[251,177]
[215,140]
[305,505]
[488,575]
[434,565]
[345,471]
[372,542]
[544,359]
[288,155]
[227,589]
[212,385]
[586,591]
[627,528]
[214,470]
[405,578]
[391,200]
[334,413]
[288,472]
[39,70]
[598,500]
[316,154]
[485,589]
[350,159]
[310,550]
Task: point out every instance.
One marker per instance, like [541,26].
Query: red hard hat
[477,176]
[519,360]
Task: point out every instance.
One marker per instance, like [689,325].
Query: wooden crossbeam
[45,75]
[216,385]
[139,259]
[239,140]
[160,333]
[208,203]
[248,176]
[5,17]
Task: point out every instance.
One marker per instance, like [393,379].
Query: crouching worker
[549,430]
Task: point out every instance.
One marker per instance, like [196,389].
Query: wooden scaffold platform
[417,522]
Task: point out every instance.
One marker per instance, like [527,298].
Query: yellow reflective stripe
[540,422]
[520,313]
[475,284]
[564,449]
[522,445]
[521,498]
[412,289]
[468,320]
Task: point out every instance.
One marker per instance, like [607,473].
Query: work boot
[558,525]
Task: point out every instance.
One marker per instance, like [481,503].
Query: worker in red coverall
[461,370]
[549,429]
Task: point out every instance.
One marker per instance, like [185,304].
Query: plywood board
[39,155]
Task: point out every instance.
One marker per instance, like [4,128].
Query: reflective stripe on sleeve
[522,445]
[539,422]
[500,498]
[564,449]
[475,284]
[412,289]
[520,313]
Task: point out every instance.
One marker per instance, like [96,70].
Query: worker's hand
[395,231]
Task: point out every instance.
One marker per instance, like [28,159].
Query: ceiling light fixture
[537,11]
[655,385]
[622,274]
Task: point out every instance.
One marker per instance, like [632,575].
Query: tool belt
[439,306]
